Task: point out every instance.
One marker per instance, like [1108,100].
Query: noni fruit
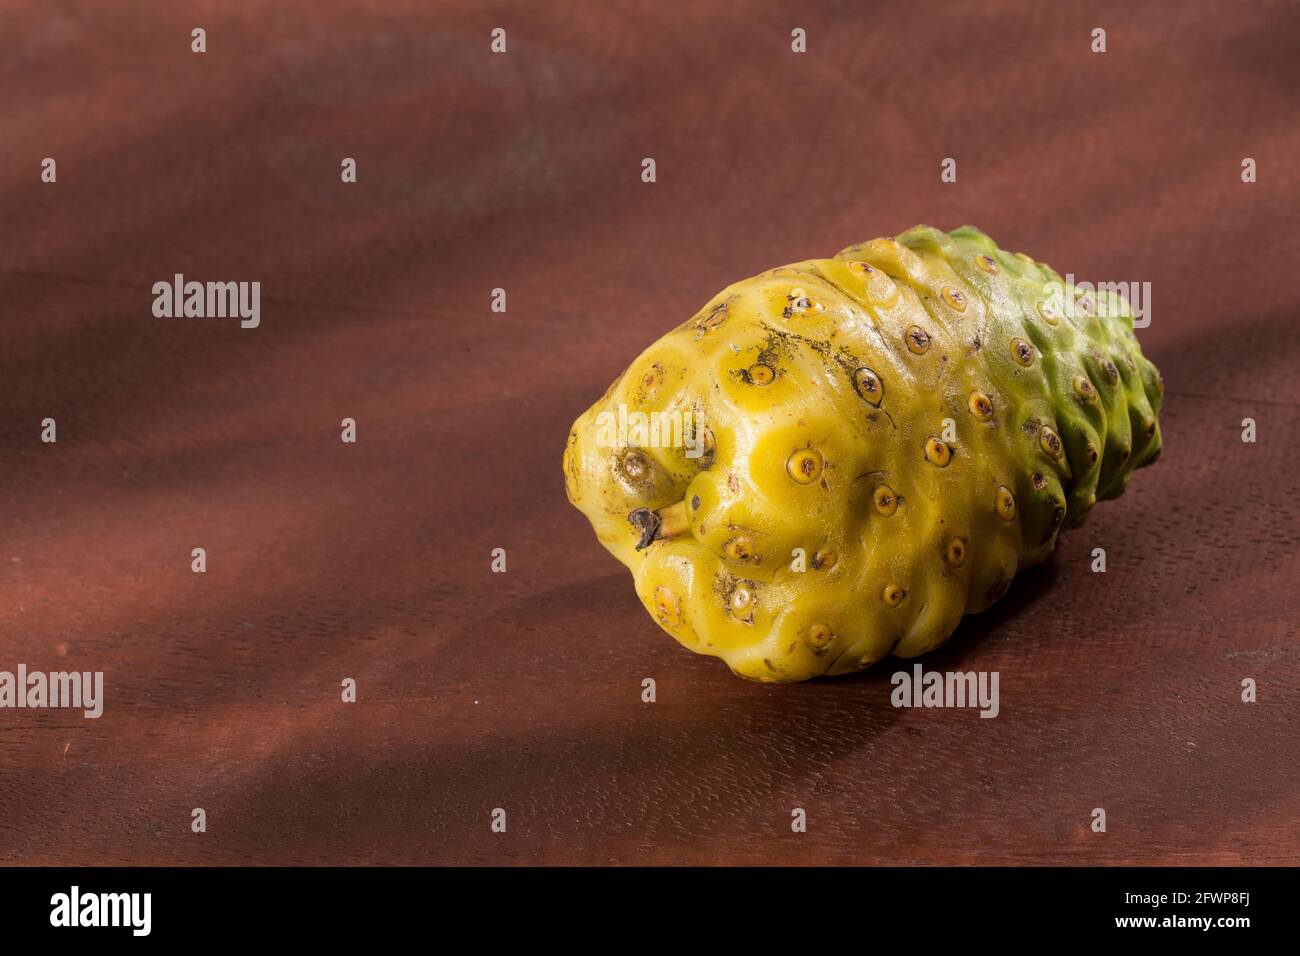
[837,459]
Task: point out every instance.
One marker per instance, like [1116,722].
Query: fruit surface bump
[868,448]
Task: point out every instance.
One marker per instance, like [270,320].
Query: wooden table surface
[371,561]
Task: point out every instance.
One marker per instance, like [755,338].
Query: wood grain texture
[522,690]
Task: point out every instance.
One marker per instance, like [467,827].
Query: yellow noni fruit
[837,459]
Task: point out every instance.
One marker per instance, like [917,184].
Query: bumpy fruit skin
[888,436]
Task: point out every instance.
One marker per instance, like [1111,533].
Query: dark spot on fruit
[714,318]
[635,466]
[868,385]
[918,340]
[1022,352]
[1051,442]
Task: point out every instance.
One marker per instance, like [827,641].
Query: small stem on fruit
[657,525]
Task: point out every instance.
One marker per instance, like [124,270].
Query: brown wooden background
[521,691]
